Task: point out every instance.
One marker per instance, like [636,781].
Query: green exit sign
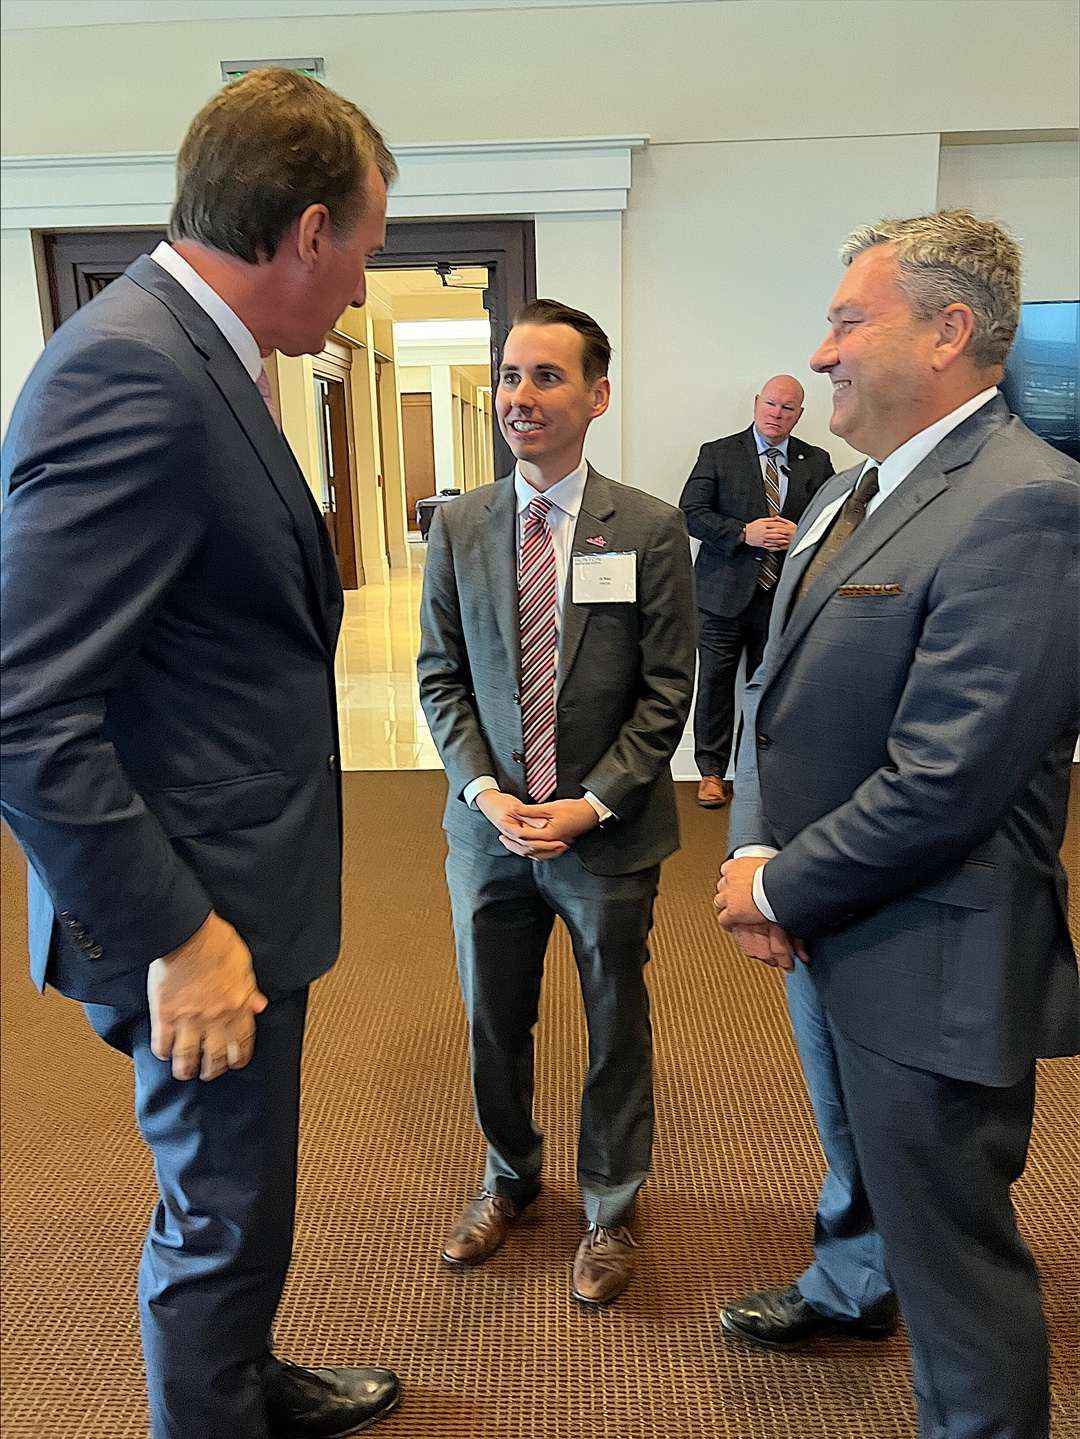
[233,69]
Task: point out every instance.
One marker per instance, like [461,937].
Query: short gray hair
[954,258]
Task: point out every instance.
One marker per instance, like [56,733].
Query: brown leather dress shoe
[712,792]
[480,1230]
[603,1266]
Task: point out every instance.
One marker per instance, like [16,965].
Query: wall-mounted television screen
[1042,383]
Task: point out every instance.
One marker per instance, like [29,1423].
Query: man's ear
[955,326]
[601,396]
[312,233]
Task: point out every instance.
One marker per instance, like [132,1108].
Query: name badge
[605,579]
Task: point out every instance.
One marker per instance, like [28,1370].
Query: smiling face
[778,408]
[879,356]
[544,403]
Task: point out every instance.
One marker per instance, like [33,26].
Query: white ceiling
[46,14]
[426,282]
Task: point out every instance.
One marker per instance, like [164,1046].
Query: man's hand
[756,936]
[203,1003]
[521,829]
[770,534]
[564,819]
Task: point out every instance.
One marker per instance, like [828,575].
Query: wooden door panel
[418,443]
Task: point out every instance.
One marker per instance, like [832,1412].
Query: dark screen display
[1041,383]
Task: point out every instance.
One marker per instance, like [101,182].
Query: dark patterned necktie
[851,515]
[769,572]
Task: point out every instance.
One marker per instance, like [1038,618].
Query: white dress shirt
[227,321]
[892,471]
[781,464]
[565,499]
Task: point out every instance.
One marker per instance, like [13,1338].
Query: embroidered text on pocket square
[869,590]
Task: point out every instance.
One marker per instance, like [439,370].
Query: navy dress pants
[217,1253]
[720,646]
[938,1157]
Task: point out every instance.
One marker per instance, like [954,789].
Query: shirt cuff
[599,806]
[478,786]
[759,851]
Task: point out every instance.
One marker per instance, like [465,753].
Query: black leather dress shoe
[326,1403]
[782,1319]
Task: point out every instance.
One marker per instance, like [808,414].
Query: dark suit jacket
[725,491]
[908,751]
[170,611]
[625,677]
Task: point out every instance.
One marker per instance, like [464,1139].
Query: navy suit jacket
[724,493]
[170,614]
[907,747]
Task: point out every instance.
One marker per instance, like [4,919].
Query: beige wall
[1034,190]
[730,262]
[675,72]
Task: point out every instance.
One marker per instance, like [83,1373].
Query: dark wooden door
[506,247]
[418,443]
[81,263]
[332,414]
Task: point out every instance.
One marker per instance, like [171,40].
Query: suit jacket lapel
[228,374]
[593,520]
[499,547]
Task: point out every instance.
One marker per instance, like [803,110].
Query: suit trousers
[938,1156]
[720,647]
[504,909]
[847,1277]
[217,1253]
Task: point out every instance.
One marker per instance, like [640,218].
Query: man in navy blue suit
[170,613]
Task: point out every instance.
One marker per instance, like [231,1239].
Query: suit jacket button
[763,741]
[518,757]
[517,698]
[331,763]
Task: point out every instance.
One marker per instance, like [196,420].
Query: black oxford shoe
[782,1319]
[326,1403]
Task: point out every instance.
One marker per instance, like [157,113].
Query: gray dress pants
[504,908]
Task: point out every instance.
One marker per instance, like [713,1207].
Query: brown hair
[261,151]
[595,347]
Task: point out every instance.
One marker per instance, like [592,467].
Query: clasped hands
[756,936]
[536,831]
[772,533]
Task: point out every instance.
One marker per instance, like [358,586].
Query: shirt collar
[763,445]
[227,321]
[567,495]
[895,468]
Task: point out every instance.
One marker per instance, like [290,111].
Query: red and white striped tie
[538,590]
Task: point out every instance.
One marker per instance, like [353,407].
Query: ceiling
[47,14]
[426,282]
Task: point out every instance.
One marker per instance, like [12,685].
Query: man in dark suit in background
[743,500]
[556,669]
[901,799]
[170,613]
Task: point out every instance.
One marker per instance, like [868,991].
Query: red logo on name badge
[597,540]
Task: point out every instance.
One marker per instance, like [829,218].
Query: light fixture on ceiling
[446,272]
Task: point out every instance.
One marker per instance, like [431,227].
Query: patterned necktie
[262,384]
[769,572]
[851,515]
[538,587]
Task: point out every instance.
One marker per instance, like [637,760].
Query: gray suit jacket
[625,677]
[907,749]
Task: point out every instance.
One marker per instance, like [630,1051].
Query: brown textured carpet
[390,1152]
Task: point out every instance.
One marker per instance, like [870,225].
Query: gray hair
[950,258]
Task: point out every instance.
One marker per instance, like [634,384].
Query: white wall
[730,264]
[22,334]
[1034,190]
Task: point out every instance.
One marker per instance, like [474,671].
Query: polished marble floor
[382,724]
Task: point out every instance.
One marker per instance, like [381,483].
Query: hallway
[381,723]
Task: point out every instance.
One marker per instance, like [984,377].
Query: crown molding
[475,177]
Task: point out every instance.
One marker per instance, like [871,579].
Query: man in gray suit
[904,780]
[556,669]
